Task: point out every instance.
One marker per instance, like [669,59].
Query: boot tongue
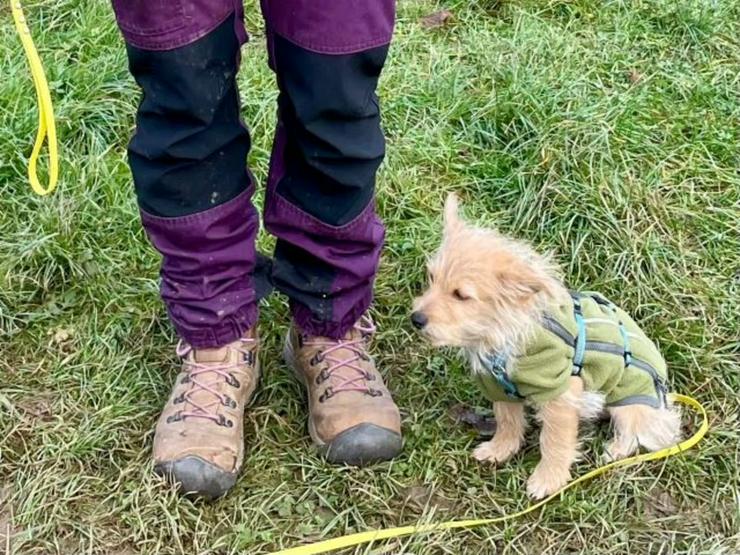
[202,396]
[352,335]
[347,353]
[211,355]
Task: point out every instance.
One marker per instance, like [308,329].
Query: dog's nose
[419,319]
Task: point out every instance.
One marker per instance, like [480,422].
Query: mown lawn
[608,132]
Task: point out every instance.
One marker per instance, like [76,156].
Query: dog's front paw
[546,480]
[496,450]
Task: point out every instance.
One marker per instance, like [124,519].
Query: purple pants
[188,159]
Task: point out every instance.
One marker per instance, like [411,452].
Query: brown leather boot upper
[352,417]
[199,439]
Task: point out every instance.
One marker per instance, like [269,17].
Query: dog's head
[483,287]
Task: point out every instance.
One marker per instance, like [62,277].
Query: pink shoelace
[197,370]
[358,378]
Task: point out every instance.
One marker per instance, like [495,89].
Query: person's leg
[188,160]
[327,56]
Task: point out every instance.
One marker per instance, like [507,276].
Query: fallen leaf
[324,515]
[634,76]
[63,338]
[436,20]
[660,503]
[62,335]
[421,497]
[38,407]
[461,414]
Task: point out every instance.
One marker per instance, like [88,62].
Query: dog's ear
[523,283]
[452,221]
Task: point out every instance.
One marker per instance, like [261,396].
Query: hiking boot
[352,417]
[199,439]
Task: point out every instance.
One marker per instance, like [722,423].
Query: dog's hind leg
[641,425]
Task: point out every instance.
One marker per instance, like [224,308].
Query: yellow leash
[47,127]
[375,535]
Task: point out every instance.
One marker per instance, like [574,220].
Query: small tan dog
[531,341]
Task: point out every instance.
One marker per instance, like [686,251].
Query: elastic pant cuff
[310,325]
[223,333]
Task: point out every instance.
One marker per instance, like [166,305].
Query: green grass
[608,132]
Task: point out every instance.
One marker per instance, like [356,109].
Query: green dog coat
[588,337]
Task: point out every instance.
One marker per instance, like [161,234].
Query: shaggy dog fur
[488,292]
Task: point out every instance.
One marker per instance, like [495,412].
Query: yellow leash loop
[374,535]
[47,127]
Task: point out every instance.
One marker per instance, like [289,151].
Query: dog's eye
[459,295]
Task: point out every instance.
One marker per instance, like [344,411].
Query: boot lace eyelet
[322,377]
[174,418]
[318,358]
[233,382]
[179,399]
[327,394]
[225,422]
[374,392]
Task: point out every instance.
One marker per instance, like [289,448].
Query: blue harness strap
[495,363]
[580,340]
[622,330]
[627,348]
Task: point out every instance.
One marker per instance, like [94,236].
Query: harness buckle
[495,363]
[627,358]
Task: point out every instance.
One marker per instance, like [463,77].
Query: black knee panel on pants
[334,139]
[190,147]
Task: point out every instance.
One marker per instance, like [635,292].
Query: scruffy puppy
[531,341]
